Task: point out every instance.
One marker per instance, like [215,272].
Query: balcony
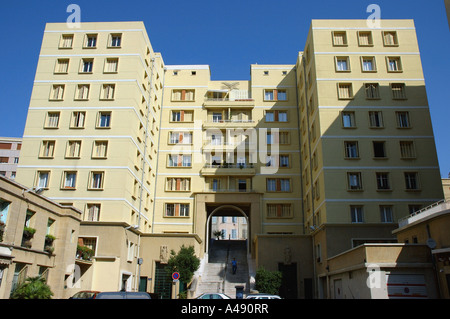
[229,102]
[222,124]
[228,169]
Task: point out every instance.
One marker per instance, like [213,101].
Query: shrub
[268,282]
[33,288]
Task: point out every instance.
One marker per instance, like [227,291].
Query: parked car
[123,295]
[262,296]
[213,296]
[85,294]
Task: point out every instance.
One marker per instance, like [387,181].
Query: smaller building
[446,187]
[38,237]
[9,156]
[231,227]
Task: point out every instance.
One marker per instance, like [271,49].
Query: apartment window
[180,138]
[111,65]
[351,149]
[73,149]
[96,180]
[62,66]
[57,92]
[345,91]
[390,38]
[386,214]
[177,210]
[398,91]
[43,179]
[383,181]
[376,119]
[104,120]
[354,181]
[87,65]
[394,64]
[284,161]
[342,64]
[174,184]
[412,180]
[407,149]
[348,119]
[66,41]
[276,116]
[52,120]
[414,208]
[108,91]
[368,64]
[47,149]
[379,149]
[82,92]
[77,119]
[179,160]
[100,149]
[90,41]
[115,40]
[339,38]
[92,212]
[69,180]
[275,95]
[183,95]
[283,138]
[365,38]
[279,211]
[278,185]
[372,91]
[357,214]
[403,119]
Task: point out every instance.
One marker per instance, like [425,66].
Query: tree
[33,288]
[184,262]
[268,282]
[218,234]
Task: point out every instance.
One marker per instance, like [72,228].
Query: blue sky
[227,35]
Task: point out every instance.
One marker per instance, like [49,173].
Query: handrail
[422,210]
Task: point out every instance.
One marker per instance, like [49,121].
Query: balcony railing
[232,190]
[227,99]
[226,165]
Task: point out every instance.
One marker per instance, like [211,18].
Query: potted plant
[49,249]
[84,252]
[49,239]
[28,232]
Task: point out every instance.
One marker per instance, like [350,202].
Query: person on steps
[234,265]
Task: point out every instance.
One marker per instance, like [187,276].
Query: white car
[213,296]
[262,296]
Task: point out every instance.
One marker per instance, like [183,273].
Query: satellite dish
[431,243]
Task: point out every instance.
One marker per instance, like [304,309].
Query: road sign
[176,276]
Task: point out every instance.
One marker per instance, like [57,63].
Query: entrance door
[163,282]
[338,289]
[288,289]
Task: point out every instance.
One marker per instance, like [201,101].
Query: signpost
[176,276]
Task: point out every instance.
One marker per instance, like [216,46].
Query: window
[182,116]
[372,91]
[104,120]
[284,161]
[398,91]
[77,119]
[52,120]
[354,181]
[92,212]
[42,179]
[414,208]
[47,149]
[73,149]
[183,95]
[179,161]
[87,65]
[345,91]
[276,116]
[174,184]
[394,64]
[90,41]
[278,185]
[386,214]
[279,211]
[339,38]
[96,180]
[283,138]
[342,64]
[383,181]
[365,38]
[357,214]
[368,64]
[69,181]
[180,138]
[411,181]
[390,38]
[111,65]
[108,91]
[100,149]
[403,119]
[82,92]
[379,150]
[57,92]
[115,40]
[351,150]
[177,210]
[348,119]
[275,95]
[375,119]
[66,41]
[62,66]
[407,149]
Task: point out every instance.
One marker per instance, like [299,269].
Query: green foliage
[84,252]
[184,262]
[33,288]
[28,232]
[218,234]
[268,282]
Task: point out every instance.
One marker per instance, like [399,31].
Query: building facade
[9,156]
[329,152]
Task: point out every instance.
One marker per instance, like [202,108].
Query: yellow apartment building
[319,156]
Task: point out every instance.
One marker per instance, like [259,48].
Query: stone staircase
[217,274]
